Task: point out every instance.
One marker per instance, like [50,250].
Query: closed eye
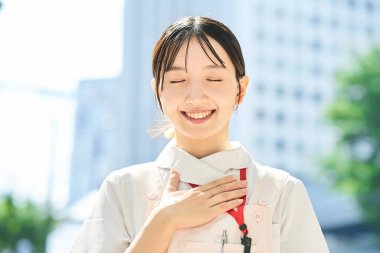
[178,81]
[214,80]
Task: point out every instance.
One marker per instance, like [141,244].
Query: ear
[243,82]
[153,85]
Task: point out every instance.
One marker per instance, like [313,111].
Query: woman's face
[200,100]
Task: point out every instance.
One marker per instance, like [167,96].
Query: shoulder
[138,174]
[274,182]
[132,171]
[278,177]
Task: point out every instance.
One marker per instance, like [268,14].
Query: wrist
[158,230]
[163,218]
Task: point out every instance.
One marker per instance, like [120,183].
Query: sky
[55,43]
[49,45]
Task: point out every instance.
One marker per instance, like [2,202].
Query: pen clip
[224,240]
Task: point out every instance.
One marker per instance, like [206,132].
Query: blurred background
[76,103]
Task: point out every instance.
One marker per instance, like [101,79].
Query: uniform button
[152,196]
[263,202]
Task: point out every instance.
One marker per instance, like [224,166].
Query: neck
[200,148]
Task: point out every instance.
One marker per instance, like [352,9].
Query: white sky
[35,146]
[49,44]
[55,43]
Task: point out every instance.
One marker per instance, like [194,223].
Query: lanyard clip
[246,241]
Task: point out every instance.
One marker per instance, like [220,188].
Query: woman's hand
[197,206]
[185,209]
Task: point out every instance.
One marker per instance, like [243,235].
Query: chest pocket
[258,218]
[197,247]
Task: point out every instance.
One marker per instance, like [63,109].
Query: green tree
[24,221]
[354,165]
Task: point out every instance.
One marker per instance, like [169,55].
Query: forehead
[198,51]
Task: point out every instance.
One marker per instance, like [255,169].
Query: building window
[316,70]
[279,13]
[260,87]
[298,94]
[260,114]
[280,91]
[352,27]
[334,23]
[280,118]
[280,145]
[298,42]
[299,147]
[316,45]
[299,120]
[317,97]
[369,6]
[351,4]
[315,20]
[260,8]
[279,64]
[260,35]
[279,38]
[369,30]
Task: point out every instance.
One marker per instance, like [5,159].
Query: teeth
[198,115]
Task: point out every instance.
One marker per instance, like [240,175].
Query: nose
[195,93]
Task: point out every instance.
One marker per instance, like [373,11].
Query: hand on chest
[208,237]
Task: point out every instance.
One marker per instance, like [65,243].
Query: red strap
[238,215]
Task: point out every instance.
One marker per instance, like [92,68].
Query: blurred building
[292,49]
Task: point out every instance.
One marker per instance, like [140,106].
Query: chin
[199,135]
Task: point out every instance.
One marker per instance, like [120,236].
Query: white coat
[278,211]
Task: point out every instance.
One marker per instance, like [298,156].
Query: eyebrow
[211,66]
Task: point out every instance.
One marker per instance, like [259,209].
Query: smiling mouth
[198,117]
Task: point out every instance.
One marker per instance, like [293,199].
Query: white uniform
[278,212]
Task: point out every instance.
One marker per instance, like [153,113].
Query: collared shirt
[278,212]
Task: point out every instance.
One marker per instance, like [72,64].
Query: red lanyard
[238,215]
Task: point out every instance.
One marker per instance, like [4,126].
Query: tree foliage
[355,163]
[24,221]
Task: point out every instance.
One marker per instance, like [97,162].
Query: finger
[227,187]
[173,181]
[226,206]
[227,196]
[216,183]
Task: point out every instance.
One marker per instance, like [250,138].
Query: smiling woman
[204,193]
[199,94]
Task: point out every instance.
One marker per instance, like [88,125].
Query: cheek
[226,98]
[169,101]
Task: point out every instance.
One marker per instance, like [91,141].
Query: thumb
[173,181]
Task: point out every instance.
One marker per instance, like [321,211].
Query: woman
[203,193]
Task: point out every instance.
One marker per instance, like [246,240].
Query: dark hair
[172,39]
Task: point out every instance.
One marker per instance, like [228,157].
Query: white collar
[204,170]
